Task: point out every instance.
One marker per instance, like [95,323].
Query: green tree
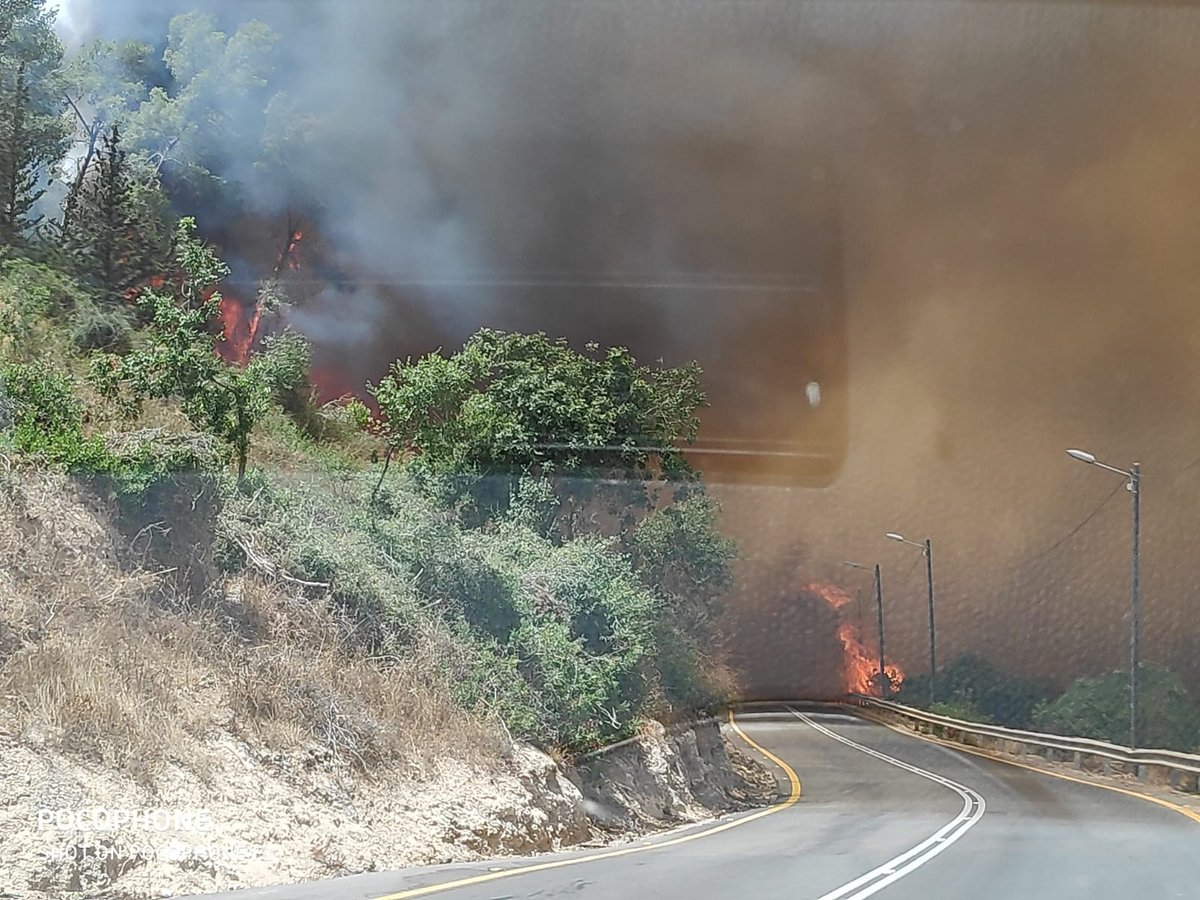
[33,134]
[216,97]
[680,551]
[508,405]
[1099,708]
[179,358]
[115,224]
[104,83]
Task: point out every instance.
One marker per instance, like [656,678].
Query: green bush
[35,301]
[1099,708]
[560,638]
[95,327]
[40,415]
[960,709]
[972,683]
[680,551]
[586,635]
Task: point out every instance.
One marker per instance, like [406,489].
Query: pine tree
[32,131]
[117,233]
[19,164]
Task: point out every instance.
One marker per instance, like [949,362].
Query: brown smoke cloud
[1020,230]
[1022,279]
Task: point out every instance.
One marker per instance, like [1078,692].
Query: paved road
[880,813]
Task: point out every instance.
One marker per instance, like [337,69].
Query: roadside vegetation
[973,689]
[501,538]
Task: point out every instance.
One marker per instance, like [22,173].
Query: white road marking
[896,868]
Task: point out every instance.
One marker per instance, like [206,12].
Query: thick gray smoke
[1020,210]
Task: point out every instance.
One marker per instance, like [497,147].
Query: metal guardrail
[1180,771]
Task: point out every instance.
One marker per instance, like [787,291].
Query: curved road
[878,813]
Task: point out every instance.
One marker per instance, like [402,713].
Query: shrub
[561,637]
[94,327]
[35,300]
[972,683]
[40,415]
[1099,708]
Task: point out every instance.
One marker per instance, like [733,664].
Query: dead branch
[269,568]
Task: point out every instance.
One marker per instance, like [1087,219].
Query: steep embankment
[269,745]
[258,818]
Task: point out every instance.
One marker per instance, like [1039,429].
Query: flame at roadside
[860,665]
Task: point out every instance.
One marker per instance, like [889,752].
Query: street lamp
[1134,487]
[883,677]
[927,551]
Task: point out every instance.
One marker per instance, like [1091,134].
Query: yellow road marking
[793,797]
[795,788]
[976,751]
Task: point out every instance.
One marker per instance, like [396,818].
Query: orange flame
[289,257]
[239,328]
[860,666]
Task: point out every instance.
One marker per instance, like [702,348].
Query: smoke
[1017,197]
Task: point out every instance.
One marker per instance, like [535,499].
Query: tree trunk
[387,460]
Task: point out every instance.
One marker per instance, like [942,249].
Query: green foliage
[960,709]
[32,133]
[584,634]
[685,671]
[533,504]
[521,433]
[1099,708]
[179,358]
[181,113]
[283,363]
[94,326]
[141,460]
[560,639]
[526,404]
[681,552]
[115,223]
[44,312]
[971,682]
[40,415]
[33,298]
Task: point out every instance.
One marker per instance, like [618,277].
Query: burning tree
[180,359]
[860,666]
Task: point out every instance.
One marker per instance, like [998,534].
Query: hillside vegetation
[515,581]
[506,536]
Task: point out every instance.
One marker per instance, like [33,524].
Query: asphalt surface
[880,813]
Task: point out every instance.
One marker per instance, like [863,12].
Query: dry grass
[87,664]
[280,444]
[93,662]
[303,680]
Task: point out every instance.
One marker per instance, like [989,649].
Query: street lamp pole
[927,549]
[932,631]
[883,677]
[884,685]
[1135,599]
[1135,602]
